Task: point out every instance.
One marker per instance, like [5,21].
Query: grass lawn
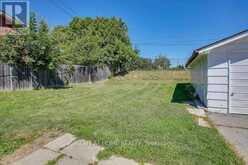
[138,116]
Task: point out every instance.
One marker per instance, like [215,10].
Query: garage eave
[195,54]
[216,44]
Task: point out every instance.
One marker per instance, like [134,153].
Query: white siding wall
[238,55]
[219,78]
[199,77]
[212,74]
[217,81]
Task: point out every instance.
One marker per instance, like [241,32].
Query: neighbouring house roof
[8,18]
[7,28]
[2,14]
[3,28]
[216,44]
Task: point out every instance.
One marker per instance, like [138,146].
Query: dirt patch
[29,148]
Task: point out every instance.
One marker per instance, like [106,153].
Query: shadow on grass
[55,88]
[183,93]
[122,73]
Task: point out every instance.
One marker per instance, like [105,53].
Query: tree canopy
[33,47]
[98,41]
[84,41]
[160,62]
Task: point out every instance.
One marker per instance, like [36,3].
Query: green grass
[55,161]
[134,116]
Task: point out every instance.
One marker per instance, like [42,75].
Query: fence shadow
[47,79]
[122,73]
[183,93]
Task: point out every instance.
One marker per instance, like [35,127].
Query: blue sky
[171,27]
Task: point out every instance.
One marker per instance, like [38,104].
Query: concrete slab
[114,160]
[61,142]
[40,157]
[197,112]
[83,150]
[238,138]
[203,123]
[69,161]
[229,120]
[29,148]
[234,128]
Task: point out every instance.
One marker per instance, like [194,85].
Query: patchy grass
[55,161]
[136,116]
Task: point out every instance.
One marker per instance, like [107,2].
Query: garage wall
[228,58]
[199,77]
[218,81]
[238,55]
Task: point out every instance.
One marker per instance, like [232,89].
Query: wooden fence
[22,77]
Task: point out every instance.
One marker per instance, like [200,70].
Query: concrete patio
[67,150]
[234,128]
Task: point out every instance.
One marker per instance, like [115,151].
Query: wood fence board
[22,77]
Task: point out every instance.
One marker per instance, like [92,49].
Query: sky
[170,27]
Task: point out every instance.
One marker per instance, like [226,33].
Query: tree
[33,23]
[86,51]
[45,54]
[179,67]
[43,27]
[99,41]
[85,41]
[142,64]
[35,48]
[162,62]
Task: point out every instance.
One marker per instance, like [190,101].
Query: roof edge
[192,58]
[216,44]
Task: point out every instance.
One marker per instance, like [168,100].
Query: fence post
[31,77]
[11,77]
[89,74]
